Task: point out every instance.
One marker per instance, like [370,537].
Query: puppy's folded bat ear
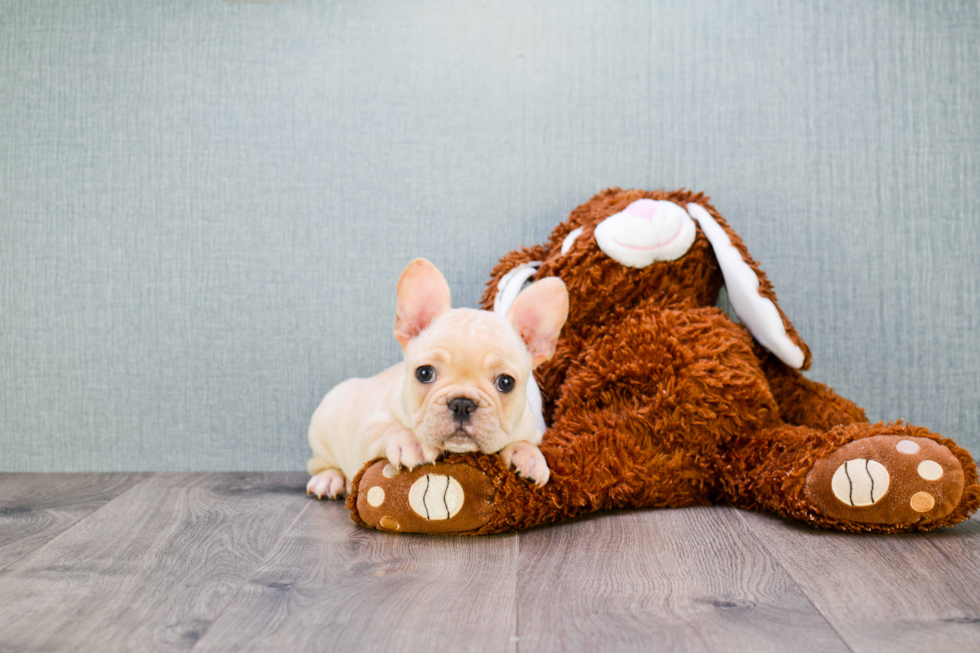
[423,295]
[538,314]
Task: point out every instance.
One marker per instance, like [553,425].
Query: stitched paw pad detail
[439,498]
[435,497]
[860,482]
[887,479]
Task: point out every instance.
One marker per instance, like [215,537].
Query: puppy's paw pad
[329,483]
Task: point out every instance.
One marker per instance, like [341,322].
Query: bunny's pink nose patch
[643,209]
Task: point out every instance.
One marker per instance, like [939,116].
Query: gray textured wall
[204,205]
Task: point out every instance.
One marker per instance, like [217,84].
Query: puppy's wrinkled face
[466,371]
[466,378]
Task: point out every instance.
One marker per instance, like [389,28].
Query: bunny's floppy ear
[511,272]
[750,292]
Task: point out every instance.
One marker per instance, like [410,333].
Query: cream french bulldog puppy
[462,386]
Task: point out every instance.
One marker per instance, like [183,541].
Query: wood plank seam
[332,584]
[789,573]
[251,575]
[684,579]
[516,636]
[889,592]
[152,571]
[11,566]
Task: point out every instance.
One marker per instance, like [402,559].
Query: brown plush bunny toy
[656,398]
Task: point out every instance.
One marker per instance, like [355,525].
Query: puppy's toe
[527,461]
[541,473]
[329,483]
[429,454]
[408,453]
[411,455]
[316,486]
[337,486]
[534,468]
[393,452]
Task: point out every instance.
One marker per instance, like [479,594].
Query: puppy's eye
[504,383]
[426,374]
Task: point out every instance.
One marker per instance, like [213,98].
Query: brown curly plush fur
[656,398]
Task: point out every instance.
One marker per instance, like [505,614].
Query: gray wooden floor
[206,562]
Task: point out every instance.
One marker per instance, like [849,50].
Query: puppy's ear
[423,295]
[538,314]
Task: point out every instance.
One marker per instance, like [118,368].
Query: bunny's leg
[804,402]
[859,477]
[636,425]
[594,466]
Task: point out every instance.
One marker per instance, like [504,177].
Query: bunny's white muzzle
[646,231]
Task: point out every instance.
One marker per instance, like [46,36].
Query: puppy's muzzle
[462,408]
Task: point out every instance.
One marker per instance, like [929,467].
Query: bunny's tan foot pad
[442,498]
[887,479]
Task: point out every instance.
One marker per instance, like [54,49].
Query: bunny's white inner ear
[511,285]
[759,314]
[570,240]
[508,288]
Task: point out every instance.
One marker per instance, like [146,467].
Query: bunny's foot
[460,494]
[899,480]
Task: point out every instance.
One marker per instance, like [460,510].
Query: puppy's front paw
[329,483]
[403,450]
[527,460]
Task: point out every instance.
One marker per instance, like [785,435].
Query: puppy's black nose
[462,408]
